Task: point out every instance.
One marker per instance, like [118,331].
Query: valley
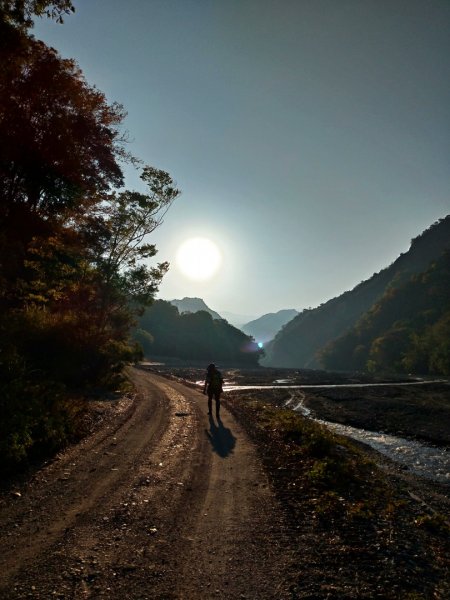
[162,501]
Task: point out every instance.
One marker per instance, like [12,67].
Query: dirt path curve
[162,502]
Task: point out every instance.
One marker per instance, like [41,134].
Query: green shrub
[436,523]
[36,416]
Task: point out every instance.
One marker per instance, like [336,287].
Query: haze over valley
[395,321]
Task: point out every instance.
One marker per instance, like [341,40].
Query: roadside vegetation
[356,533]
[74,254]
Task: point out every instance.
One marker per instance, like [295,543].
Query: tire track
[70,488]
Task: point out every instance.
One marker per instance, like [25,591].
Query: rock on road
[161,502]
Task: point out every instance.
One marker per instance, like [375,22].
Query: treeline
[163,331]
[72,278]
[408,330]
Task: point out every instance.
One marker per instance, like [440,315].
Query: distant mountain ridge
[193,305]
[297,345]
[267,326]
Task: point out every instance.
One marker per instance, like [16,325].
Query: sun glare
[198,258]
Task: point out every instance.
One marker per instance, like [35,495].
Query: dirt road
[161,502]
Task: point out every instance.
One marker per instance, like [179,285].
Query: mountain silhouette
[299,343]
[266,327]
[193,305]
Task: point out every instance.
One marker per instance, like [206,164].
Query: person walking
[213,387]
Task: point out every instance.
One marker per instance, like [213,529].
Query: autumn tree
[21,12]
[74,248]
[60,147]
[117,251]
[60,140]
[63,225]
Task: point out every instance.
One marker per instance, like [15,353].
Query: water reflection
[287,386]
[427,461]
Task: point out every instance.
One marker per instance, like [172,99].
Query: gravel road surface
[161,502]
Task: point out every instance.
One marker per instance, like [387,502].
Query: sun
[198,258]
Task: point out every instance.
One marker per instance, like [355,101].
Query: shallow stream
[427,461]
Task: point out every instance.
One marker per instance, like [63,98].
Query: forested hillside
[408,330]
[194,336]
[73,262]
[300,341]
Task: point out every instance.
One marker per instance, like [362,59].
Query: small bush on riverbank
[437,523]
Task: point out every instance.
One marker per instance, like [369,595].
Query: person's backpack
[215,382]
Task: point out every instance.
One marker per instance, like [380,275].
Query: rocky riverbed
[404,407]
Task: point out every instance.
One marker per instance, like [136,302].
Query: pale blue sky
[310,138]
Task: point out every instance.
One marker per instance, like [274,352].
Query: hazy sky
[310,138]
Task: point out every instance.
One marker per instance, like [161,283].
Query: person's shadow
[221,438]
